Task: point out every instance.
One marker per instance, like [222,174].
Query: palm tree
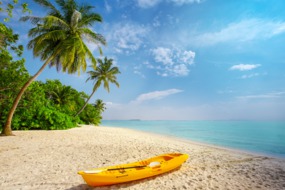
[103,73]
[100,105]
[61,95]
[58,40]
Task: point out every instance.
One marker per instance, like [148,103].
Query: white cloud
[171,62]
[108,7]
[138,72]
[243,31]
[182,2]
[180,70]
[152,3]
[156,95]
[250,76]
[109,103]
[168,20]
[148,65]
[127,37]
[187,57]
[147,3]
[253,75]
[156,22]
[244,67]
[172,20]
[163,55]
[266,95]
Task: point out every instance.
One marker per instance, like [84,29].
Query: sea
[260,137]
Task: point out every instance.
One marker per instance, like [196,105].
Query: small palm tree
[61,96]
[103,73]
[100,105]
[58,40]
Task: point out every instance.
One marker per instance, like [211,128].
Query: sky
[185,59]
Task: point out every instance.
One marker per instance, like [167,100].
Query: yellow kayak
[133,171]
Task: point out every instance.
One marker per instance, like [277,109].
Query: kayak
[133,171]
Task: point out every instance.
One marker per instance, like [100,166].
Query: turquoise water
[263,137]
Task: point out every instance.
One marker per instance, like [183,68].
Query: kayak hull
[133,171]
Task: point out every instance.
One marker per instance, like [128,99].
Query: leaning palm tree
[58,39]
[103,73]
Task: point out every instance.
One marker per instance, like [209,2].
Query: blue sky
[186,59]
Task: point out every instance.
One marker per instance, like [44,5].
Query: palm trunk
[7,130]
[84,104]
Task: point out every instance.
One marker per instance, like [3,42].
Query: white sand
[48,160]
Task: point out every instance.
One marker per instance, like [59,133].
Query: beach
[51,160]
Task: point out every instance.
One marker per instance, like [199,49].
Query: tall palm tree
[58,39]
[103,73]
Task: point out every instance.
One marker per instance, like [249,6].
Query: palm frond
[60,2]
[89,54]
[92,36]
[106,84]
[86,8]
[48,5]
[68,8]
[53,21]
[90,19]
[97,85]
[32,19]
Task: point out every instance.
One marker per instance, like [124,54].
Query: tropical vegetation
[58,39]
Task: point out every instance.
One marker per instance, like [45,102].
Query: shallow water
[264,137]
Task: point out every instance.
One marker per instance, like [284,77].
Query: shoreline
[203,143]
[259,145]
[51,160]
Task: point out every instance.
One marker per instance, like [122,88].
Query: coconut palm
[60,95]
[100,105]
[58,39]
[103,73]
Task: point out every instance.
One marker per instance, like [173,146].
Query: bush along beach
[45,105]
